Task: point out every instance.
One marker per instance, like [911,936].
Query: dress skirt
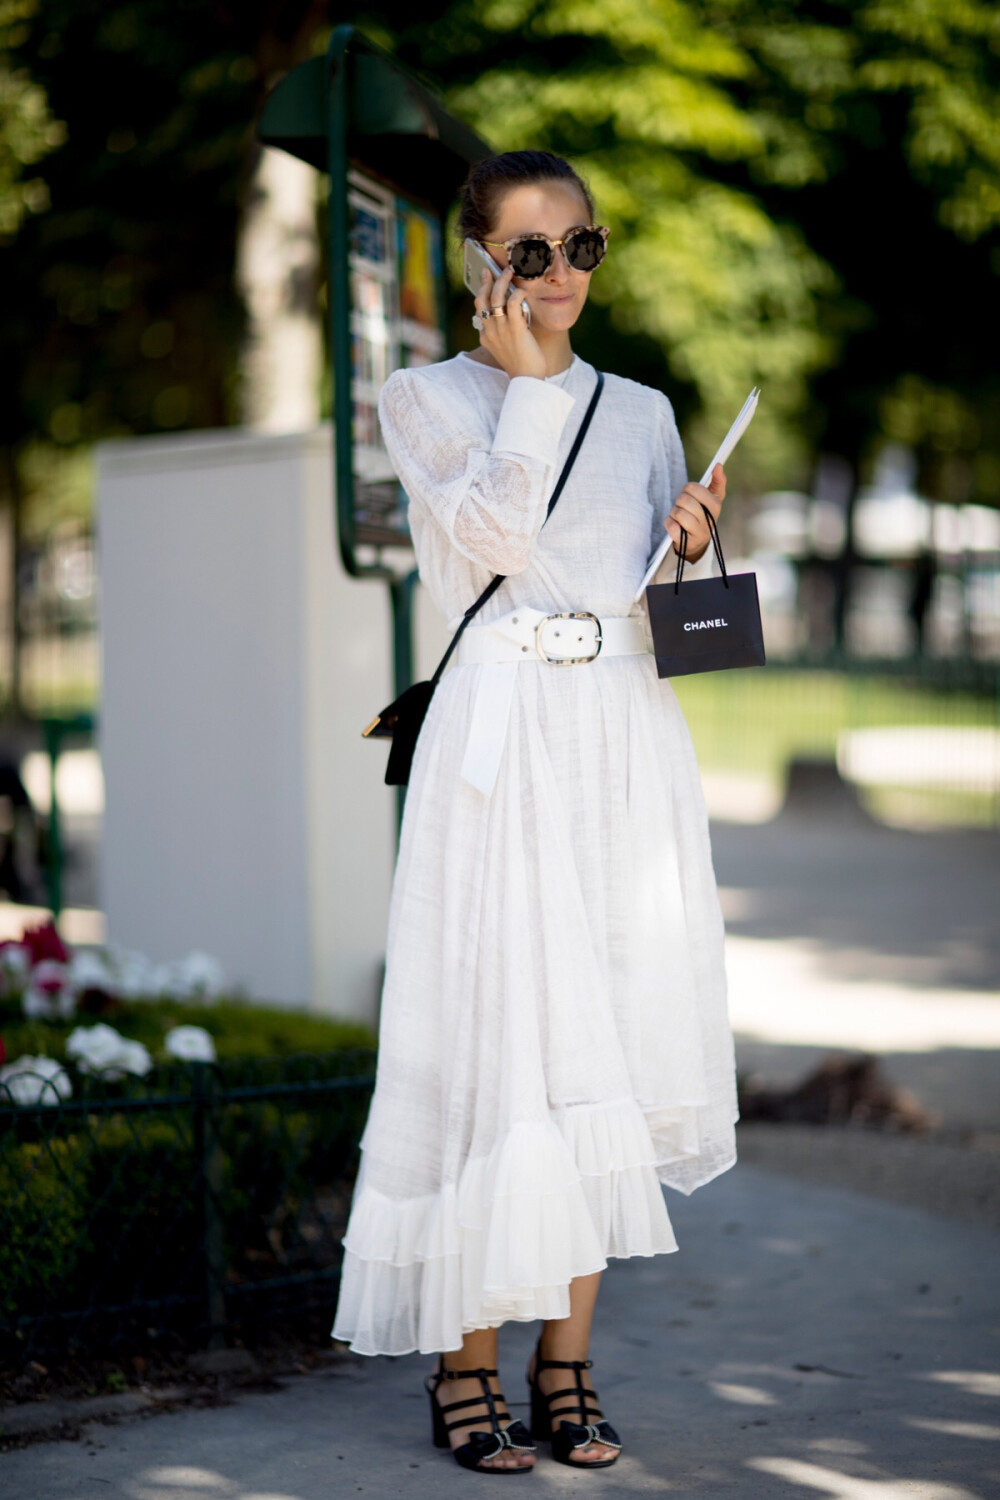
[554,1039]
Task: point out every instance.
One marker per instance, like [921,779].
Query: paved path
[841,934]
[805,1342]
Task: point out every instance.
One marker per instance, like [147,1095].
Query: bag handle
[716,542]
[496,581]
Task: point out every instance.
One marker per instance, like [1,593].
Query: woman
[554,1041]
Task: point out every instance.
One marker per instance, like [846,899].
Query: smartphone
[473,260]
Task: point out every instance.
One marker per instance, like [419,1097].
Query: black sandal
[481,1445]
[568,1436]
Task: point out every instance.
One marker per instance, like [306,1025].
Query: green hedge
[106,1209]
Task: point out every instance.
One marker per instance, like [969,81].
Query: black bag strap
[716,543]
[495,582]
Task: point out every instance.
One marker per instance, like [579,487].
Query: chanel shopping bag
[709,623]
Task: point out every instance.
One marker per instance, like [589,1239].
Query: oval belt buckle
[569,661]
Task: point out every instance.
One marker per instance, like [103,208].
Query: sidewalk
[846,935]
[843,935]
[804,1342]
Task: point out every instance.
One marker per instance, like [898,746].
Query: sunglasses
[532,254]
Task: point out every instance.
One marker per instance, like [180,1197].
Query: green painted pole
[401,598]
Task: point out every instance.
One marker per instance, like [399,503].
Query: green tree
[28,130]
[123,314]
[703,288]
[802,195]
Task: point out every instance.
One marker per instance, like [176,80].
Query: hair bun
[489,180]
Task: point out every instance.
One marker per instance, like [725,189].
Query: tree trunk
[277,272]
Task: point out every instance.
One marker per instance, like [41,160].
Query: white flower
[160,979]
[199,976]
[51,994]
[15,962]
[190,1044]
[101,1049]
[35,1080]
[133,973]
[135,1058]
[132,976]
[89,970]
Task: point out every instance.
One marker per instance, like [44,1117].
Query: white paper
[726,447]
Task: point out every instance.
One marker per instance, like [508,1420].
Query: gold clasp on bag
[373,725]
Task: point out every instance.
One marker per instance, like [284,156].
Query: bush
[103,1201]
[42,1218]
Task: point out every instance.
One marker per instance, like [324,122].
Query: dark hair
[490,179]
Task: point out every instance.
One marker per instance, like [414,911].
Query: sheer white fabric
[554,1040]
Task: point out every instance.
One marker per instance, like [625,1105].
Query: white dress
[554,1042]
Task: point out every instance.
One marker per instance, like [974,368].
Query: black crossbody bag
[401,722]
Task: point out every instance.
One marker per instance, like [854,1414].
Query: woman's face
[556,297]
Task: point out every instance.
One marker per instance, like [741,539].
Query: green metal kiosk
[395,159]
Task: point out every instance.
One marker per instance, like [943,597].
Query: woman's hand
[687,512]
[505,333]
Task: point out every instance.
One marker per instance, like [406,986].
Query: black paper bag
[706,624]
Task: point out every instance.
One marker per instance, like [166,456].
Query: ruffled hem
[616,1159]
[554,1200]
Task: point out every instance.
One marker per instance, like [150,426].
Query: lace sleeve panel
[487,491]
[668,477]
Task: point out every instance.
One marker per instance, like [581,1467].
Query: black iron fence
[198,1208]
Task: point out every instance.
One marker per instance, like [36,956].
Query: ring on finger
[499,312]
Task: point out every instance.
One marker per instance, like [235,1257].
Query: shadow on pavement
[916,908]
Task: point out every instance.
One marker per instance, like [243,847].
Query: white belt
[574,638]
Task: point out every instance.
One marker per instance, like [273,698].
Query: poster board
[396,268]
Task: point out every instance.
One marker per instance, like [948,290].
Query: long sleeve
[486,491]
[668,477]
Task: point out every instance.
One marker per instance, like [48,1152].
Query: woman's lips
[567,298]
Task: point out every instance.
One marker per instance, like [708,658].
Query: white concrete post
[245,816]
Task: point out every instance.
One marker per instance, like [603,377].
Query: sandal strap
[584,1402]
[471,1401]
[570,1390]
[562,1364]
[573,1410]
[495,1404]
[477,1421]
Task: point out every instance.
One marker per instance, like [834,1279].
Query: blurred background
[801,196]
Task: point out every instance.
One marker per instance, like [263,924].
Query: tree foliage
[805,195]
[123,314]
[28,131]
[879,117]
[802,195]
[641,98]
